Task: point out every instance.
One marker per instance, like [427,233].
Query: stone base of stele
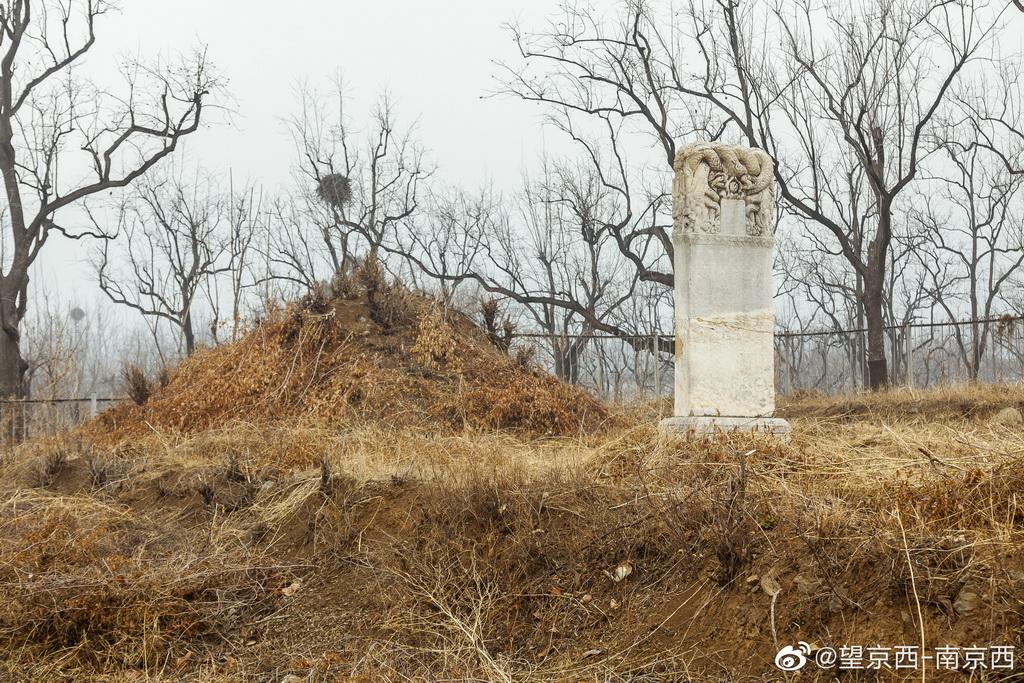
[711,425]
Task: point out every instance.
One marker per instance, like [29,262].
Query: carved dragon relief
[707,173]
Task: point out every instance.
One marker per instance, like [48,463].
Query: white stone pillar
[723,208]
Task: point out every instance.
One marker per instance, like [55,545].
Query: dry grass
[137,386]
[361,350]
[258,550]
[87,582]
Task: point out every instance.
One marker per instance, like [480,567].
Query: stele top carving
[707,173]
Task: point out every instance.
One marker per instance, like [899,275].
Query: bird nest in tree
[335,189]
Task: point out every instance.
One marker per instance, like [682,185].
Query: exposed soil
[361,350]
[490,557]
[365,488]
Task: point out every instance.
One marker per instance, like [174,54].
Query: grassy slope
[254,552]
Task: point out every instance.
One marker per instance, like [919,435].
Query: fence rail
[919,355]
[25,418]
[636,367]
[926,354]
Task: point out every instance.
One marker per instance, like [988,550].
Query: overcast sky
[435,59]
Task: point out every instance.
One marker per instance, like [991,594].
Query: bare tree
[597,84]
[70,347]
[243,211]
[62,140]
[352,190]
[53,348]
[846,104]
[173,244]
[568,253]
[552,249]
[972,219]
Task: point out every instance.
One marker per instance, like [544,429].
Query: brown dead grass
[366,488]
[945,404]
[102,585]
[257,550]
[362,351]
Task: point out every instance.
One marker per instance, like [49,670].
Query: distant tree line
[895,124]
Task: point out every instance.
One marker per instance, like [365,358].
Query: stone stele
[723,210]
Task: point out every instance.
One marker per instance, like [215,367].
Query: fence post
[792,377]
[908,359]
[790,357]
[657,369]
[93,406]
[995,360]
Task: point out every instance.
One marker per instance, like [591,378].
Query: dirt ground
[268,552]
[369,487]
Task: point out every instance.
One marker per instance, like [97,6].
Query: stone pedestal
[723,236]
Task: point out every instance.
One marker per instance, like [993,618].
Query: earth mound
[360,349]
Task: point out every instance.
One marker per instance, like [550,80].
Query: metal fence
[640,367]
[617,368]
[918,355]
[626,369]
[26,418]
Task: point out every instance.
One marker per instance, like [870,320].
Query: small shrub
[104,470]
[326,478]
[435,343]
[233,470]
[524,356]
[732,526]
[343,285]
[137,385]
[50,467]
[317,300]
[207,492]
[498,334]
[388,304]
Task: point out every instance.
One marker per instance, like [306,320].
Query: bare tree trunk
[878,367]
[566,355]
[874,280]
[12,367]
[188,333]
[860,350]
[874,301]
[977,348]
